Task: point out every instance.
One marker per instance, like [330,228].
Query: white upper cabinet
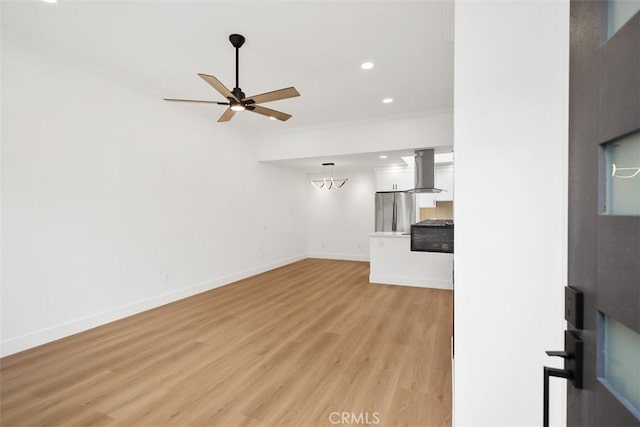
[426,200]
[394,179]
[444,180]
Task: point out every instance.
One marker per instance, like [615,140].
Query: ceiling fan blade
[269,112]
[275,95]
[227,115]
[217,85]
[195,100]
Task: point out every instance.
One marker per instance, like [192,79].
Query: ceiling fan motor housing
[238,93]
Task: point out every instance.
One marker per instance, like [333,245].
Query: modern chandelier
[628,172]
[328,182]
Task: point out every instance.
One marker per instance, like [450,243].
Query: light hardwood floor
[287,347]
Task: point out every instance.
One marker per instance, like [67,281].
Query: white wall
[114,202]
[339,220]
[511,108]
[433,129]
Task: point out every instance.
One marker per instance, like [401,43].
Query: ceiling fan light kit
[328,182]
[236,99]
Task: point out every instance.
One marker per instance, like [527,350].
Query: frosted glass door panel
[622,158]
[620,370]
[618,13]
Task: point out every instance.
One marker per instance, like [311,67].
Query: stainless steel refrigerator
[395,211]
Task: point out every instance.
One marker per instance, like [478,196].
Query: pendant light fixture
[628,172]
[328,182]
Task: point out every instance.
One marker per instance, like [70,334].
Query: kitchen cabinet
[444,180]
[395,179]
[426,200]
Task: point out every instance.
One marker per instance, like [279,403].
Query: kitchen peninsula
[393,263]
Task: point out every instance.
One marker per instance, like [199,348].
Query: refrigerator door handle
[394,218]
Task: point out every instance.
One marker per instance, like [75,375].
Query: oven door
[431,239]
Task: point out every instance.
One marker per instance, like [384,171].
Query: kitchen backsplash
[443,210]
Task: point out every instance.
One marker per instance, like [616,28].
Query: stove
[432,235]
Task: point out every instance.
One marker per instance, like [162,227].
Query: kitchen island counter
[393,263]
[390,234]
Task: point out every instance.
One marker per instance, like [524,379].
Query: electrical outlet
[165,276]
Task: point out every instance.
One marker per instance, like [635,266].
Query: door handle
[562,354]
[573,355]
[394,214]
[551,372]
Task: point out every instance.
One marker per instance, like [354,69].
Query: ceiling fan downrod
[237,40]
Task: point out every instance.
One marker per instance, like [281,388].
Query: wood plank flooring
[287,347]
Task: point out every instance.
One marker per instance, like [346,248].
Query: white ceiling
[316,46]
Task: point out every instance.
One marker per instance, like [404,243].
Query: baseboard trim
[46,335]
[340,257]
[410,281]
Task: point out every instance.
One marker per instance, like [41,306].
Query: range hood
[425,172]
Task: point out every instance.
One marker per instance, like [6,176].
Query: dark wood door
[604,241]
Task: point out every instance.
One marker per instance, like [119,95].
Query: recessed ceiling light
[387,100]
[383,157]
[50,1]
[366,65]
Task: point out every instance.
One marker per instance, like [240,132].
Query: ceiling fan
[237,101]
